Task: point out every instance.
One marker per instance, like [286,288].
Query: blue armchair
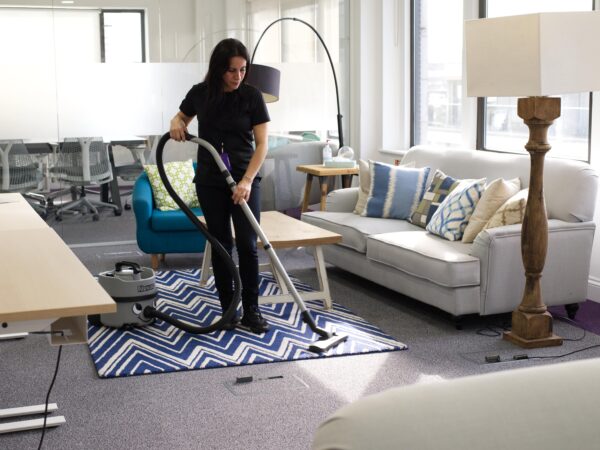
[161,232]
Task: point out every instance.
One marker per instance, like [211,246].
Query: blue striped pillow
[395,191]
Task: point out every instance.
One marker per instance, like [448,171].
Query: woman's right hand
[178,128]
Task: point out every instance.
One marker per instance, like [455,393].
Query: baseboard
[594,289]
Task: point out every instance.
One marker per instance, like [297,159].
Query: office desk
[43,284]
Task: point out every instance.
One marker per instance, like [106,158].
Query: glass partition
[118,70]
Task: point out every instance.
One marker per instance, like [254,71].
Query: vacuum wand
[327,339]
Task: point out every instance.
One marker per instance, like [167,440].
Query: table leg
[323,181]
[322,275]
[206,270]
[346,181]
[307,188]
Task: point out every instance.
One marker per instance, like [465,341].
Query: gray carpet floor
[206,409]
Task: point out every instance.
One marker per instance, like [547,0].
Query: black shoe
[255,321]
[232,323]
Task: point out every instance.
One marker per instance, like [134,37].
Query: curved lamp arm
[337,94]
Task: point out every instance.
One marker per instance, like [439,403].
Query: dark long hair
[219,64]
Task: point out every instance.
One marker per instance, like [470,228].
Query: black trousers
[219,211]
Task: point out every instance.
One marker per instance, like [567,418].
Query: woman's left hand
[242,191]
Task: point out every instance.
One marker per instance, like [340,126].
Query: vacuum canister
[133,288]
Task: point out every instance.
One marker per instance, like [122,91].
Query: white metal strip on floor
[102,244]
[27,410]
[33,424]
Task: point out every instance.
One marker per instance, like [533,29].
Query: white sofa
[487,276]
[549,407]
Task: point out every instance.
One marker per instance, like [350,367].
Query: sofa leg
[162,257]
[458,322]
[572,309]
[154,261]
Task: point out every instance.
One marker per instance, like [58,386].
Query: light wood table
[43,285]
[323,173]
[284,231]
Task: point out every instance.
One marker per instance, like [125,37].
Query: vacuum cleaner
[134,291]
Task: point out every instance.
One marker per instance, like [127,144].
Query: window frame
[142,14]
[482,111]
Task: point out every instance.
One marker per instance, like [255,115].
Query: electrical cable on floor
[565,354]
[572,322]
[61,333]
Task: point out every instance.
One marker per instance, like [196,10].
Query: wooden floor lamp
[534,55]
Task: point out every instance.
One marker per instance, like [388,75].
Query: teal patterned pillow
[452,216]
[181,177]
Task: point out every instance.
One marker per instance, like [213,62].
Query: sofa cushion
[395,191]
[355,229]
[440,187]
[172,220]
[452,216]
[511,212]
[495,194]
[364,183]
[426,256]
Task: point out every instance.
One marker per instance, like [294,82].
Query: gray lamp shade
[266,80]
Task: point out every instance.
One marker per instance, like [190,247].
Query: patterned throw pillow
[511,212]
[181,176]
[395,191]
[440,187]
[494,196]
[451,217]
[364,182]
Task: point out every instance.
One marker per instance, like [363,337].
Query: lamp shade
[266,80]
[533,54]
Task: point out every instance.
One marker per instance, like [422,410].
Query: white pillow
[364,182]
[511,212]
[494,196]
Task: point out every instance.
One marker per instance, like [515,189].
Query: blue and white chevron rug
[160,347]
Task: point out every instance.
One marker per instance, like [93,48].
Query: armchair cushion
[173,220]
[181,176]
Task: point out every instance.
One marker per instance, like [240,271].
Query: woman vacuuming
[231,115]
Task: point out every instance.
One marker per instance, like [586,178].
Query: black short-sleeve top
[227,125]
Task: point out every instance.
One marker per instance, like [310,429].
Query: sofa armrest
[342,200]
[142,199]
[565,274]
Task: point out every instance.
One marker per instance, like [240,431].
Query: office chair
[21,172]
[82,162]
[128,162]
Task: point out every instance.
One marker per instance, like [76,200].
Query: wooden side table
[323,173]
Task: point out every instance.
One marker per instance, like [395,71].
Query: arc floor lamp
[268,77]
[534,55]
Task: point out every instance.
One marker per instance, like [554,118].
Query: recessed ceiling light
[67,2]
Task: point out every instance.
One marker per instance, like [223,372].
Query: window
[503,130]
[122,38]
[437,72]
[307,101]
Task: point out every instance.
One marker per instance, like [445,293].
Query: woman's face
[233,76]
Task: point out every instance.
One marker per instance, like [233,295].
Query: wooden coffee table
[286,232]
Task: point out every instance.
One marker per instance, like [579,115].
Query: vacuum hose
[219,250]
